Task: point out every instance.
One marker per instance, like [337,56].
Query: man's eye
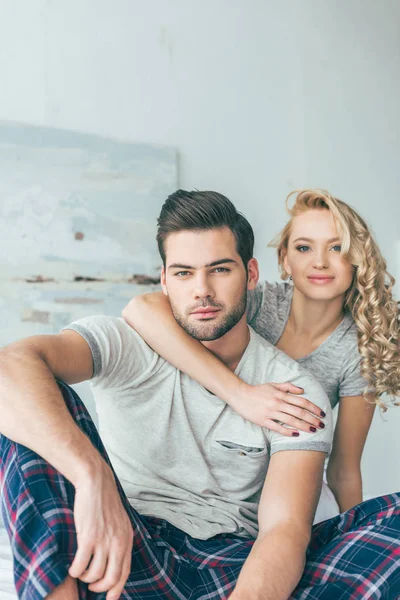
[220,270]
[303,248]
[337,248]
[182,273]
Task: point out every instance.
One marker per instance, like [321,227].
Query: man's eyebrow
[221,261]
[305,239]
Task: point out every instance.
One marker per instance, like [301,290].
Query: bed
[7,589]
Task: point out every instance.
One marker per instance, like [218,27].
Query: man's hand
[104,534]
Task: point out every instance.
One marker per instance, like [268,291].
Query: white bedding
[7,589]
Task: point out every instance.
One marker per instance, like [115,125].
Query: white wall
[258,96]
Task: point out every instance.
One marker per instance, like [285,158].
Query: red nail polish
[323,414]
[313,429]
[295,434]
[322,425]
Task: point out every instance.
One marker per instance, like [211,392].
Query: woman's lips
[318,279]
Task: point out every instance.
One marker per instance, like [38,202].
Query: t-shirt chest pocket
[239,468]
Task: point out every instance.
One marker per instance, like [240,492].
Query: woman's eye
[337,248]
[303,248]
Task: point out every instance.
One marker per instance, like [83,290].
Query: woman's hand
[273,405]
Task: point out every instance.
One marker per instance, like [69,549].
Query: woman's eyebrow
[306,239]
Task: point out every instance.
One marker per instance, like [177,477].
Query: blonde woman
[336,317]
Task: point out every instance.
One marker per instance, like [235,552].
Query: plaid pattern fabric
[355,556]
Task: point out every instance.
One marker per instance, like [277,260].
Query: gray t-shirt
[181,453]
[335,363]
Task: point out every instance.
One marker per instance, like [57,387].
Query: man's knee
[67,590]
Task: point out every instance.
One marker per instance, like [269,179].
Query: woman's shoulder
[268,308]
[277,296]
[348,333]
[274,292]
[281,290]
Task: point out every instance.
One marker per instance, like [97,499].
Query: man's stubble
[208,331]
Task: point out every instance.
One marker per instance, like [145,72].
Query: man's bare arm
[287,507]
[33,412]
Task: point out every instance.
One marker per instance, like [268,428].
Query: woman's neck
[314,319]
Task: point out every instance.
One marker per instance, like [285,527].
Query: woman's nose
[321,260]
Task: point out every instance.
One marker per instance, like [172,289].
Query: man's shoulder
[264,349]
[120,355]
[104,323]
[107,330]
[273,365]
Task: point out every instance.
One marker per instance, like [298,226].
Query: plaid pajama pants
[354,556]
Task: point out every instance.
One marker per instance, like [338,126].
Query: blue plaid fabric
[355,556]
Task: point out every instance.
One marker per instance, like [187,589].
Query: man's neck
[231,346]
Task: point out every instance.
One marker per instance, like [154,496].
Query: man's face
[206,281]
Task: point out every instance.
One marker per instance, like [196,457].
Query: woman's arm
[344,467]
[267,405]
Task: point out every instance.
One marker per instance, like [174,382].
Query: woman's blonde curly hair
[369,298]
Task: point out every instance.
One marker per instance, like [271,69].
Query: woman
[338,319]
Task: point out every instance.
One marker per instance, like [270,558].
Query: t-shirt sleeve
[321,440]
[352,382]
[254,303]
[267,309]
[119,354]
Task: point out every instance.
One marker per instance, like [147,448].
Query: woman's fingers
[298,424]
[301,414]
[288,387]
[276,426]
[302,403]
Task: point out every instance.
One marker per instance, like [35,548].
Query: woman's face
[313,257]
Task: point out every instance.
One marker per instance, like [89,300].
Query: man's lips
[207,311]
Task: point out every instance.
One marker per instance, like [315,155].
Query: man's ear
[163,281]
[252,273]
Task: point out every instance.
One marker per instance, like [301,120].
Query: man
[201,482]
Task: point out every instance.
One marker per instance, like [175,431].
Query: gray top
[181,453]
[335,363]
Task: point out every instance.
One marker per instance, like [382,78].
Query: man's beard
[207,331]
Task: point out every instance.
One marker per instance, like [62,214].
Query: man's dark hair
[202,211]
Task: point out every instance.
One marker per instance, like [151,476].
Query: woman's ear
[163,282]
[252,274]
[284,260]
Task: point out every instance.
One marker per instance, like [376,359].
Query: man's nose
[204,288]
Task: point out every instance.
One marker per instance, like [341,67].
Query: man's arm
[286,512]
[33,412]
